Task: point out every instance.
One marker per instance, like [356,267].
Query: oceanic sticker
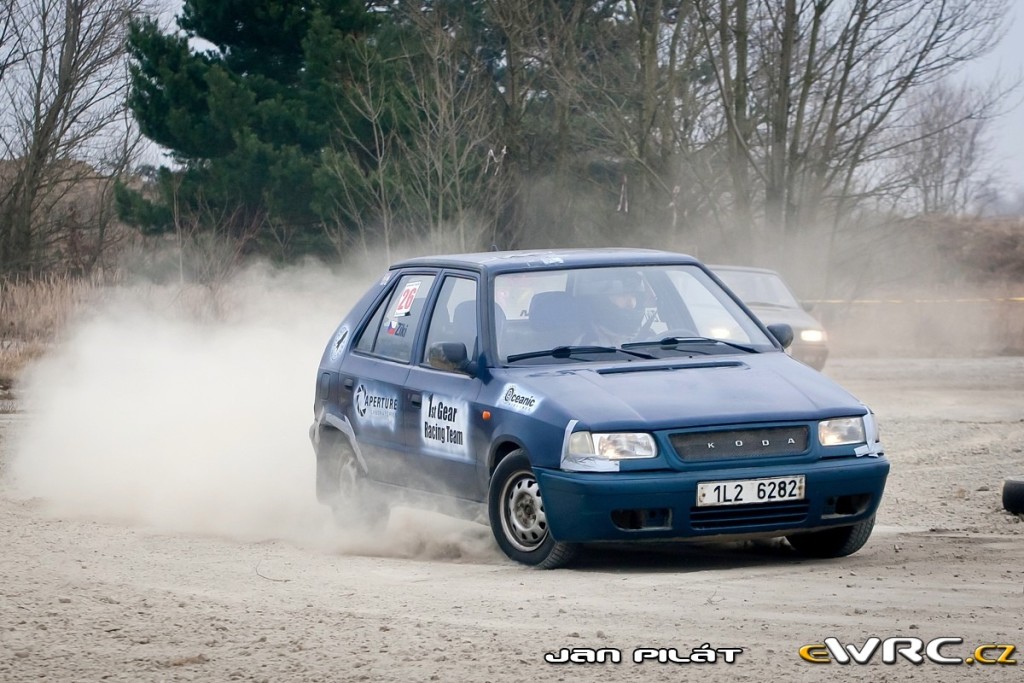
[445,426]
[406,299]
[338,343]
[516,398]
[375,405]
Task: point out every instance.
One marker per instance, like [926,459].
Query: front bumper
[620,506]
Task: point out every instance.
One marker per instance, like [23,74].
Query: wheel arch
[331,426]
[500,450]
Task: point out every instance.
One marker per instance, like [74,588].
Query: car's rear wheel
[342,484]
[518,519]
[838,542]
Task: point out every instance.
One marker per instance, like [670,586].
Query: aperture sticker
[375,405]
[406,299]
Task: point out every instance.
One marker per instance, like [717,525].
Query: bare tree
[453,150]
[63,127]
[892,51]
[828,83]
[944,158]
[362,168]
[10,43]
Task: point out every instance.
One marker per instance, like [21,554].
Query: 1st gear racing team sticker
[444,426]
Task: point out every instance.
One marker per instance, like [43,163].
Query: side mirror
[807,306]
[783,332]
[450,357]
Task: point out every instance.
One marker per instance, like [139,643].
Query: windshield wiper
[673,342]
[570,351]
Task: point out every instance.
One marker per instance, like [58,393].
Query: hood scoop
[679,366]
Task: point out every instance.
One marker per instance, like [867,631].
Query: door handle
[349,382]
[417,399]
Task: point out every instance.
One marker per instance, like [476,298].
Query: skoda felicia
[583,396]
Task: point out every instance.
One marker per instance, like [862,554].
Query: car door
[374,375]
[444,430]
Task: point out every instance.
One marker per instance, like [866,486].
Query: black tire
[516,511]
[837,542]
[342,484]
[1013,495]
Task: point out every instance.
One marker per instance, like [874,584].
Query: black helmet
[617,299]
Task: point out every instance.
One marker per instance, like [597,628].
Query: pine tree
[245,117]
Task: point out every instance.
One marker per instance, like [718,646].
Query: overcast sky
[1007,132]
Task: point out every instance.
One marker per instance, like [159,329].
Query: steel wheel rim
[523,520]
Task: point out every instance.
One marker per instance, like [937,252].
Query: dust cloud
[186,410]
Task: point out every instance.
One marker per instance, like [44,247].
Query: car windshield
[559,316]
[757,288]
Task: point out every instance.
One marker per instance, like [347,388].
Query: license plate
[750,491]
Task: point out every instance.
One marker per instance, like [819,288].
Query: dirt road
[93,597]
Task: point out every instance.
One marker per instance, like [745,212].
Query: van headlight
[613,445]
[841,431]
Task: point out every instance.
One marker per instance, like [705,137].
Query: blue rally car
[587,395]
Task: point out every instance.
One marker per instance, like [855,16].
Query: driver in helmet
[617,310]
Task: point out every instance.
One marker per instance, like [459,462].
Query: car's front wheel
[517,516]
[837,542]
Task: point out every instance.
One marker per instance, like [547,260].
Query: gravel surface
[100,593]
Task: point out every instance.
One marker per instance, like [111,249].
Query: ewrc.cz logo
[913,650]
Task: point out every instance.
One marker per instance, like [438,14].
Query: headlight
[841,431]
[613,446]
[812,336]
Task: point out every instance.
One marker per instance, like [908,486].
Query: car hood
[797,318]
[713,390]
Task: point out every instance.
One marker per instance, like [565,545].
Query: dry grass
[34,314]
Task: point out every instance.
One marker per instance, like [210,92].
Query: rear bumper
[621,506]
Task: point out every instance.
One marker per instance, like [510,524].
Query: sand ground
[87,597]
